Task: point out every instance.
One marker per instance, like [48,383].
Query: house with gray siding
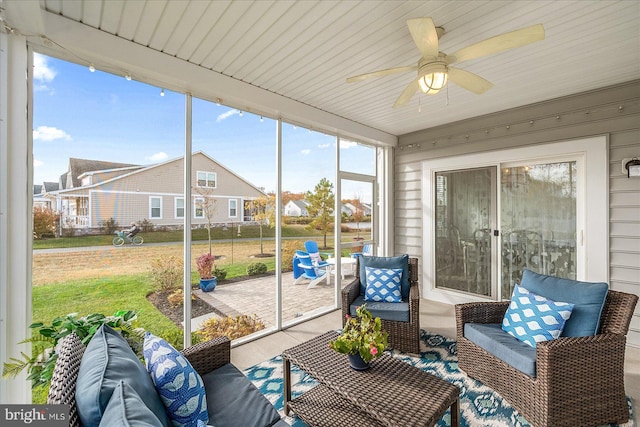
[98,191]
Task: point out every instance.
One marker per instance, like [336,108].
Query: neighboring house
[40,191]
[296,208]
[350,208]
[130,193]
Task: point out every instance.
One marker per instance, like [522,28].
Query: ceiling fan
[434,67]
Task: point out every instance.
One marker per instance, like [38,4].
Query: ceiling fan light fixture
[433,77]
[433,83]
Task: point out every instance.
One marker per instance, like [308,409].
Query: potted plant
[362,339]
[206,265]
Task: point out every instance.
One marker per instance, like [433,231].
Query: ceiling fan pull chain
[447,95]
[419,103]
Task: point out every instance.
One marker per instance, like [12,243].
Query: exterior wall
[128,199]
[613,111]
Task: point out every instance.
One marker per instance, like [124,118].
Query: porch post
[15,210]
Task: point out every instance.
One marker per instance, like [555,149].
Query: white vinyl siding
[179,207]
[155,207]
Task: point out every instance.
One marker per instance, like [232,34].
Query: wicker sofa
[403,335]
[579,381]
[231,398]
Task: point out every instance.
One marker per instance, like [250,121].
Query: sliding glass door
[537,219]
[464,220]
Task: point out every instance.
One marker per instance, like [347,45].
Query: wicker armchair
[204,357]
[403,336]
[579,381]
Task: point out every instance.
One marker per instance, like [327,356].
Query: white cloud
[305,152]
[49,133]
[157,157]
[41,70]
[37,163]
[327,145]
[347,144]
[226,115]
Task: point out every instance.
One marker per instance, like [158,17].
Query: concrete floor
[434,317]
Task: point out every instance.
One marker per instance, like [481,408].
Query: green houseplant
[362,337]
[44,339]
[206,266]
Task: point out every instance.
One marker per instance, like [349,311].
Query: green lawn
[104,296]
[218,233]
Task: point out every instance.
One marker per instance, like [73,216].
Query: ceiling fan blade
[407,94]
[381,73]
[513,39]
[469,81]
[424,36]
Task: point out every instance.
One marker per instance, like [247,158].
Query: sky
[101,116]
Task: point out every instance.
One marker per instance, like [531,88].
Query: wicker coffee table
[390,393]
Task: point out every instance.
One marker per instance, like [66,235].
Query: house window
[207,179]
[198,208]
[233,208]
[155,207]
[179,207]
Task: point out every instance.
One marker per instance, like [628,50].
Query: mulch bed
[198,306]
[175,312]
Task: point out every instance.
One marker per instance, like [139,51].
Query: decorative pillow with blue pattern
[532,318]
[383,284]
[179,385]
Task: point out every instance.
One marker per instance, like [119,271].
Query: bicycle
[121,237]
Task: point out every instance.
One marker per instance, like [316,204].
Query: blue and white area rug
[479,405]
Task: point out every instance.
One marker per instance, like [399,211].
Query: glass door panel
[538,221]
[464,218]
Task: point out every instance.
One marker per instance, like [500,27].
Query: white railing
[75,221]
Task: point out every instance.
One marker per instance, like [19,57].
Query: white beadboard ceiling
[304,50]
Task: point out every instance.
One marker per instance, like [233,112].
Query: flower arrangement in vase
[362,338]
[206,266]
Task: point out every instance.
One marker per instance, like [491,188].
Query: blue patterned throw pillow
[383,284]
[179,385]
[532,318]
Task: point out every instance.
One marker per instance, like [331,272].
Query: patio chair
[401,320]
[311,271]
[571,380]
[367,250]
[311,246]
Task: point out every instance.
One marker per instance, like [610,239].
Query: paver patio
[257,296]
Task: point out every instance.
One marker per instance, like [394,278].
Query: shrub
[166,273]
[176,298]
[109,226]
[146,226]
[220,273]
[45,222]
[205,265]
[289,248]
[175,337]
[256,268]
[231,327]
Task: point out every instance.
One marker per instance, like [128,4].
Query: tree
[207,203]
[358,215]
[320,208]
[263,211]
